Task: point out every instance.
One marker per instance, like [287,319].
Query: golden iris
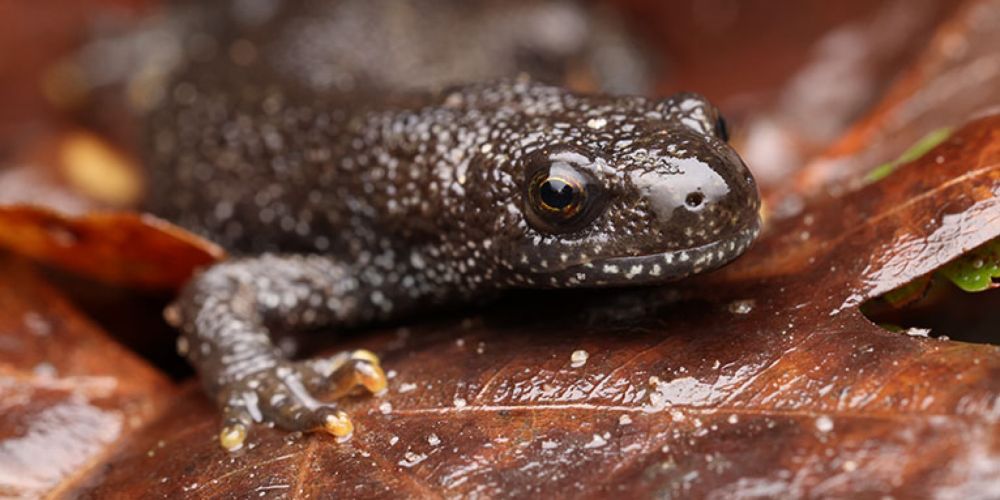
[559,194]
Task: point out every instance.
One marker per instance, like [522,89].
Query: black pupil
[556,193]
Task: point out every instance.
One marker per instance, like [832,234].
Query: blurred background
[789,75]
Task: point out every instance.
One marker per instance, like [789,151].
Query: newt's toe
[284,395]
[341,374]
[338,423]
[233,436]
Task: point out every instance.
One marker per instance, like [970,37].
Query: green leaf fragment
[881,172]
[910,292]
[920,148]
[975,270]
[891,327]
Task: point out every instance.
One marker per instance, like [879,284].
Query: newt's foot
[283,395]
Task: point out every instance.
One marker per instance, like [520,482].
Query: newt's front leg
[227,316]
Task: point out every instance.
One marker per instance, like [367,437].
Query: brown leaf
[121,248]
[760,380]
[763,379]
[68,393]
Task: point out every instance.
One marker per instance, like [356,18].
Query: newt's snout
[698,193]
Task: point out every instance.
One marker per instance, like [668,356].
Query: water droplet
[742,306]
[824,423]
[597,123]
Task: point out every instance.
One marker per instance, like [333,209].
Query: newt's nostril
[694,199]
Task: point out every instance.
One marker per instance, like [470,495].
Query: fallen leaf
[763,379]
[117,247]
[68,393]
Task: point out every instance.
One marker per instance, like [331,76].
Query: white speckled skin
[354,206]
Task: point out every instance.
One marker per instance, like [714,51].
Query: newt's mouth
[658,267]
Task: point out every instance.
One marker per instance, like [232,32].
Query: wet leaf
[116,247]
[68,393]
[763,379]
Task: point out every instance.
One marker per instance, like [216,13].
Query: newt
[346,195]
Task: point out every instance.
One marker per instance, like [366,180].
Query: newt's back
[241,143]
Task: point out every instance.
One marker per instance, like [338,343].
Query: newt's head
[632,191]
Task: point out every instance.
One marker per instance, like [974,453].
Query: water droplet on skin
[597,123]
[742,306]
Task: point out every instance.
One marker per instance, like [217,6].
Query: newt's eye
[561,195]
